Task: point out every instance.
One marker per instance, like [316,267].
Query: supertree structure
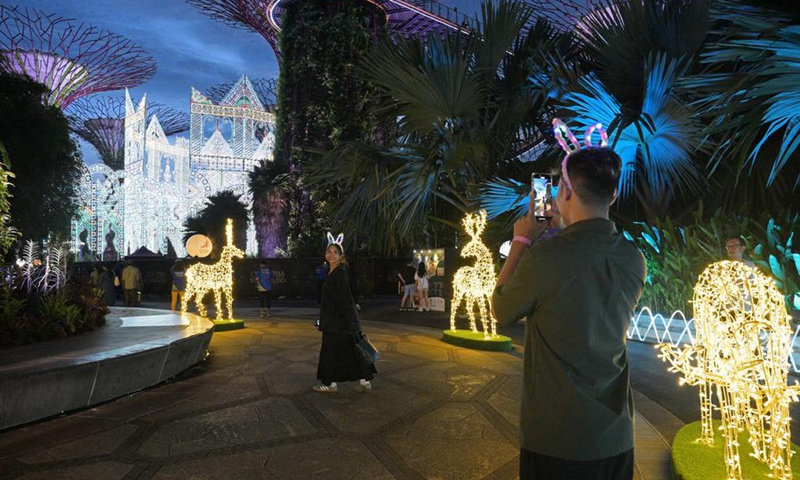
[243,14]
[265,88]
[404,17]
[101,121]
[71,59]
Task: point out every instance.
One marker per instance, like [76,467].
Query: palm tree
[211,220]
[749,100]
[456,110]
[269,186]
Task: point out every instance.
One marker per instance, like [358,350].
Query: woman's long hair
[422,271]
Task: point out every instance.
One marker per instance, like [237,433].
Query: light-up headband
[338,240]
[560,129]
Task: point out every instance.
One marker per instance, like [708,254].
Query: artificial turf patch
[692,460]
[223,325]
[476,341]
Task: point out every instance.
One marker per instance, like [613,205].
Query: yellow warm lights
[742,350]
[474,284]
[217,278]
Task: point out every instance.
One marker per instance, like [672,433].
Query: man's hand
[529,226]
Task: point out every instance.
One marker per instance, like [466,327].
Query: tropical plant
[775,254]
[8,234]
[456,110]
[44,158]
[211,220]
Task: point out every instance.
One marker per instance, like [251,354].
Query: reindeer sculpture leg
[453,308]
[201,308]
[229,301]
[727,406]
[187,296]
[482,311]
[218,302]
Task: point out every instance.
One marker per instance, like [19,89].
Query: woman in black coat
[339,361]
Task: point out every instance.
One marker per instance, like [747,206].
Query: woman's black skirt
[339,361]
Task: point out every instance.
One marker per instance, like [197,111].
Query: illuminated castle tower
[265,88]
[101,122]
[166,182]
[71,59]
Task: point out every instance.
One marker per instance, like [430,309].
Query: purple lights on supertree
[71,59]
[243,14]
[101,122]
[266,89]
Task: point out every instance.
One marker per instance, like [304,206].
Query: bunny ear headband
[560,129]
[338,240]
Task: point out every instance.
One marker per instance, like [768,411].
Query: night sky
[191,49]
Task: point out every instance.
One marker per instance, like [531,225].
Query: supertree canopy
[71,59]
[243,14]
[101,122]
[265,88]
[404,17]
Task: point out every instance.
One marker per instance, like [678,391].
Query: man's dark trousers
[534,466]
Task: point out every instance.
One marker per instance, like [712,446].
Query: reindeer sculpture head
[474,224]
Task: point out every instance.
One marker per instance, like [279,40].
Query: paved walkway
[436,412]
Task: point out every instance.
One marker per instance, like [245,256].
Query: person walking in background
[339,361]
[321,272]
[107,285]
[421,285]
[406,276]
[132,284]
[265,277]
[96,277]
[578,291]
[178,272]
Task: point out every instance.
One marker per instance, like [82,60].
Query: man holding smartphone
[577,290]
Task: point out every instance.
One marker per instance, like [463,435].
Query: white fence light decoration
[649,327]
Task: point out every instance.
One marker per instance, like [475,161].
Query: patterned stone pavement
[247,412]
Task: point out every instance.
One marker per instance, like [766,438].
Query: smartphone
[542,188]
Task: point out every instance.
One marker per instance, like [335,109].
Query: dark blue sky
[191,49]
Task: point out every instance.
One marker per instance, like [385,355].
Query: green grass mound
[223,325]
[475,341]
[694,461]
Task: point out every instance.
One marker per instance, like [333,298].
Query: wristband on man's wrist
[522,239]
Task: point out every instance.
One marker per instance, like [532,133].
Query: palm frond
[500,196]
[659,142]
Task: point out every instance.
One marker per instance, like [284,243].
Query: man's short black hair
[594,173]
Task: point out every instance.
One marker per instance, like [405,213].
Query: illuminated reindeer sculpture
[742,348]
[218,278]
[474,284]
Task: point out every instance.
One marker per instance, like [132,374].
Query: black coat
[337,313]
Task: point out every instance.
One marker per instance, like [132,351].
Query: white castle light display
[164,182]
[743,342]
[474,284]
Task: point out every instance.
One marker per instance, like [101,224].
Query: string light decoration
[218,278]
[742,348]
[474,284]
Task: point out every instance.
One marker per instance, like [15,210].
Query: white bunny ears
[338,240]
[560,129]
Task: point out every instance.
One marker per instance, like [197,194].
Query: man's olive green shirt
[578,291]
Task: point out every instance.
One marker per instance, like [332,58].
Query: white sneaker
[363,387]
[321,388]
